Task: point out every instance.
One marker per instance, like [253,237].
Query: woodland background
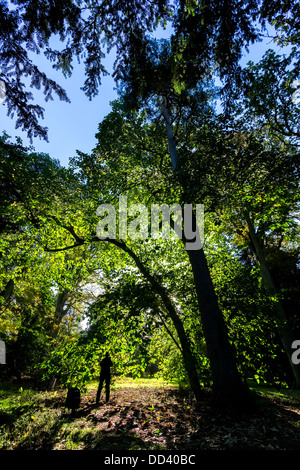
[190,125]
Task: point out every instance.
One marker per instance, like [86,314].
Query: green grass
[126,382]
[32,419]
[284,395]
[23,414]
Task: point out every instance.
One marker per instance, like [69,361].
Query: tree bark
[171,138]
[60,310]
[283,327]
[227,383]
[8,290]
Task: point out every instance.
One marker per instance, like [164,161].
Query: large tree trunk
[227,383]
[283,327]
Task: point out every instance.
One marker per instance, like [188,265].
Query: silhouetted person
[105,364]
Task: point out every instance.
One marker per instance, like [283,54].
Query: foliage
[271,94]
[248,312]
[162,142]
[206,36]
[84,30]
[124,308]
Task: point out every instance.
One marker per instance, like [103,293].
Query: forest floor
[145,416]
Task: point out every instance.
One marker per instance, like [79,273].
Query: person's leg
[107,383]
[99,390]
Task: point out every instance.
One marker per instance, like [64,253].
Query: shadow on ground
[161,419]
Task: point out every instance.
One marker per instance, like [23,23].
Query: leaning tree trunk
[8,290]
[283,327]
[227,383]
[188,357]
[187,354]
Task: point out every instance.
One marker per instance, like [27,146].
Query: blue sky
[72,126]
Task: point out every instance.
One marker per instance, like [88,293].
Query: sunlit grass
[36,419]
[142,382]
[32,419]
[290,395]
[127,382]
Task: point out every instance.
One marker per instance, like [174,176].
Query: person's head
[107,354]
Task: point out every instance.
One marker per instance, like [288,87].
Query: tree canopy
[207,37]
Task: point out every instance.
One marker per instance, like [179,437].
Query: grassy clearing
[288,396]
[32,419]
[23,412]
[127,382]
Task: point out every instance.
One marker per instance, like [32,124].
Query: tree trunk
[283,327]
[61,310]
[171,138]
[8,290]
[227,383]
[188,357]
